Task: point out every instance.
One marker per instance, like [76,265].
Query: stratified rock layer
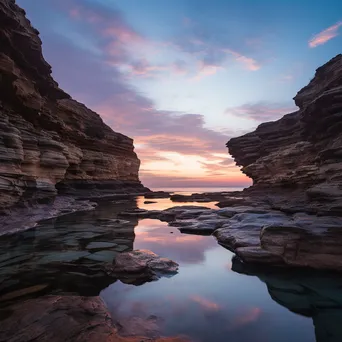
[49,141]
[302,151]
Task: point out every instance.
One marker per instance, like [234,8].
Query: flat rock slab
[100,245]
[23,292]
[317,244]
[157,194]
[105,256]
[63,257]
[65,319]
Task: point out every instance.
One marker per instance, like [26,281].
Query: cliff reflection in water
[308,293]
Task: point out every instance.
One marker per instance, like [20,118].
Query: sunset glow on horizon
[181,78]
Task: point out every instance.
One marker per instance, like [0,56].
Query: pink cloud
[248,63]
[325,35]
[206,70]
[82,13]
[205,303]
[123,34]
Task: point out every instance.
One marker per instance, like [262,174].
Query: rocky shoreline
[256,233]
[59,157]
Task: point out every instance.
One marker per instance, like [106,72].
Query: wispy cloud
[206,70]
[261,111]
[205,303]
[248,63]
[324,36]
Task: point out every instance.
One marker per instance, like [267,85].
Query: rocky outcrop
[50,143]
[296,167]
[301,152]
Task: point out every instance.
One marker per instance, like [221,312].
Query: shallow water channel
[214,297]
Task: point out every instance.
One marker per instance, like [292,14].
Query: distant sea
[189,191]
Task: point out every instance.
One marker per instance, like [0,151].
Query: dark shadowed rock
[157,194]
[202,197]
[311,294]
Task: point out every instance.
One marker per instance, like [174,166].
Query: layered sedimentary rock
[296,166]
[48,141]
[302,151]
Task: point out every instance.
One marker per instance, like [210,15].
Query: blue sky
[181,77]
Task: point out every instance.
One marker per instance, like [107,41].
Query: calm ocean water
[192,190]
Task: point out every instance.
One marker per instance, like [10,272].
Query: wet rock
[157,194]
[232,237]
[235,201]
[204,227]
[141,264]
[105,256]
[202,197]
[100,245]
[65,319]
[23,292]
[162,215]
[63,257]
[190,198]
[232,211]
[121,248]
[9,260]
[255,254]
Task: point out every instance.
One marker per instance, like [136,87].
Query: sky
[182,77]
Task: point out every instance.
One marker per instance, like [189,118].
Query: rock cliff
[302,152]
[49,142]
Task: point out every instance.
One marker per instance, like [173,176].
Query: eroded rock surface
[140,266]
[297,160]
[50,142]
[67,318]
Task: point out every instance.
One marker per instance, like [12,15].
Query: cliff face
[49,141]
[303,150]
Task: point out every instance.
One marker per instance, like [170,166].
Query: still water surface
[213,297]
